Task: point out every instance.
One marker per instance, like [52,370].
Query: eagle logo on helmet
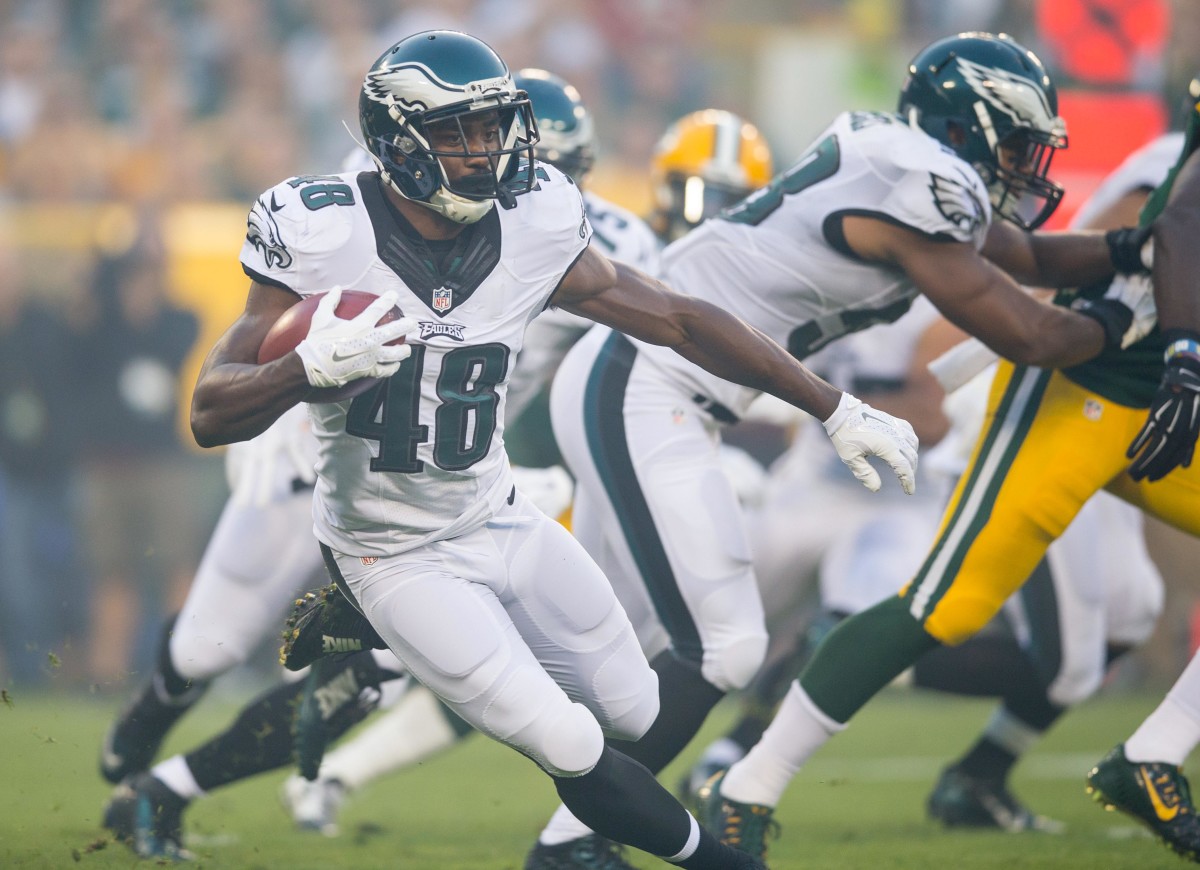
[957,203]
[1011,94]
[263,232]
[386,85]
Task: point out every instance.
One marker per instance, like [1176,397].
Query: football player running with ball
[487,601]
[1051,440]
[877,211]
[418,725]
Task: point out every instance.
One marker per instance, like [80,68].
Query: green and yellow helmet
[705,162]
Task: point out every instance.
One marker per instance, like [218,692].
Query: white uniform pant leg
[873,558]
[1105,588]
[660,514]
[517,630]
[258,558]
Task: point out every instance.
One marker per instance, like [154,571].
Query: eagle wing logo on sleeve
[957,203]
[263,232]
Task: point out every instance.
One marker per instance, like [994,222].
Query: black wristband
[1114,317]
[1125,248]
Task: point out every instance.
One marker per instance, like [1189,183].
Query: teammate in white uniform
[568,141]
[874,213]
[1098,596]
[971,92]
[253,566]
[484,599]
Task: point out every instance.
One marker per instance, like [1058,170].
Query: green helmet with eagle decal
[991,101]
[444,77]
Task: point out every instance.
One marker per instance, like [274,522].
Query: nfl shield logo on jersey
[441,299]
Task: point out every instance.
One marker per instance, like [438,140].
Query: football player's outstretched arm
[712,338]
[978,297]
[640,306]
[1072,258]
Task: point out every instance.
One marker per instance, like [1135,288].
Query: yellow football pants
[1046,447]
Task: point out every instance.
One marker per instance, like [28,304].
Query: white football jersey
[1145,168]
[421,457]
[877,359]
[778,260]
[620,235]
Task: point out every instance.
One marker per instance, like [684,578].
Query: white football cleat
[313,805]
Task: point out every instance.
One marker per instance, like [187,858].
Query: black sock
[261,738]
[987,760]
[990,666]
[748,730]
[685,699]
[621,800]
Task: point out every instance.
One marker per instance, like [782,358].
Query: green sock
[862,655]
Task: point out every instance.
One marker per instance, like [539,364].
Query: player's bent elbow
[207,428]
[204,434]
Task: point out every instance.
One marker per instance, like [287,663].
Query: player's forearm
[1069,259]
[1059,341]
[235,402]
[731,349]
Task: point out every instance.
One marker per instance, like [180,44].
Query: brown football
[292,327]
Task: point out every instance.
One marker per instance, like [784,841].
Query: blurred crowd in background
[134,135]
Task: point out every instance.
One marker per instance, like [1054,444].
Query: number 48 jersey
[419,457]
[778,259]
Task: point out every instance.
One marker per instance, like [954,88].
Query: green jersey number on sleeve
[319,191]
[820,162]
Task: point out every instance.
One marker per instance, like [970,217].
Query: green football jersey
[1130,376]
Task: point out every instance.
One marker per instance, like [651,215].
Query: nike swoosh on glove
[338,351]
[857,431]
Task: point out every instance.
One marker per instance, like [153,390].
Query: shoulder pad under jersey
[548,229]
[297,228]
[930,188]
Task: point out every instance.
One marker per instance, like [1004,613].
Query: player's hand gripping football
[337,351]
[858,431]
[1168,437]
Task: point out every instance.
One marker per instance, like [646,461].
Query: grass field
[859,803]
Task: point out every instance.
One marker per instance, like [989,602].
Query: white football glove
[858,431]
[1135,292]
[338,351]
[261,470]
